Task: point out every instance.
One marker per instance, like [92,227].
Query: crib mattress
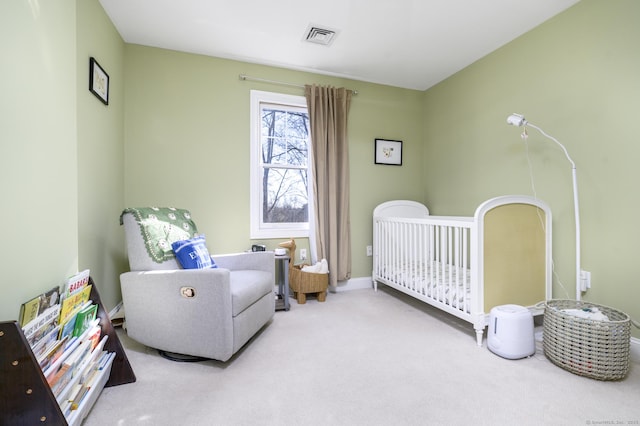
[439,281]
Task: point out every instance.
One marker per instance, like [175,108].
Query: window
[279,166]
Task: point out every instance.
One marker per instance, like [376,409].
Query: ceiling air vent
[319,35]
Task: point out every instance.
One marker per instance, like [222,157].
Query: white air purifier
[511,332]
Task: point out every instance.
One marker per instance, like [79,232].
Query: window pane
[274,151]
[285,196]
[298,125]
[297,152]
[274,122]
[284,137]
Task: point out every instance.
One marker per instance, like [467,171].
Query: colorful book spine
[71,303]
[84,318]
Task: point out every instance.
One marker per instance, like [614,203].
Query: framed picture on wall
[98,81]
[388,152]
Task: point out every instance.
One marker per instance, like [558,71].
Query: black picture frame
[388,152]
[98,81]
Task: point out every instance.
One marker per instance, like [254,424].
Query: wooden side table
[282,270]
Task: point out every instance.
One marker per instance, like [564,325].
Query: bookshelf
[25,396]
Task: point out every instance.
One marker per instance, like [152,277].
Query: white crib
[466,265]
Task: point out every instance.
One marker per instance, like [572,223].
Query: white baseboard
[353,284]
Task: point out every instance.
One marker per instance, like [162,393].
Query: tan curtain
[328,110]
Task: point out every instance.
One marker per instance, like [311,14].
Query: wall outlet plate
[585,280]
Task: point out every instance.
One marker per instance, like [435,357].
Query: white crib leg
[375,285]
[479,335]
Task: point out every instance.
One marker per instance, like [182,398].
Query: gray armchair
[207,313]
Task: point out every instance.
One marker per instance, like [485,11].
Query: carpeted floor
[363,358]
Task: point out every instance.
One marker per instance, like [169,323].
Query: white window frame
[258,229]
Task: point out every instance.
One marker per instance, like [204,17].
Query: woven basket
[302,282]
[592,348]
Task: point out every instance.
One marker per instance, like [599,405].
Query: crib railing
[430,258]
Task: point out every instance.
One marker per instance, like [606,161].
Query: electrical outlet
[369,251]
[585,280]
[303,254]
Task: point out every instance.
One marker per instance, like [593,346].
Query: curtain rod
[245,77]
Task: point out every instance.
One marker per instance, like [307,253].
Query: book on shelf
[94,335]
[97,354]
[93,362]
[73,405]
[69,324]
[31,309]
[75,283]
[86,363]
[52,369]
[70,304]
[78,396]
[70,351]
[64,368]
[52,353]
[42,325]
[84,318]
[67,405]
[46,341]
[69,368]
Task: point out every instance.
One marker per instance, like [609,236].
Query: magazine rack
[25,395]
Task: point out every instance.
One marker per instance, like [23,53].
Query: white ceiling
[412,44]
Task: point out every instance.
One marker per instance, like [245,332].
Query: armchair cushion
[193,253]
[247,287]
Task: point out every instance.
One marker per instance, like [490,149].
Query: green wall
[577,77]
[187,142]
[38,184]
[62,150]
[100,153]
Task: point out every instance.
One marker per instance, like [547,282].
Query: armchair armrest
[259,260]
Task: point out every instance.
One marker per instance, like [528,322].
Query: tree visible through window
[279,166]
[285,184]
